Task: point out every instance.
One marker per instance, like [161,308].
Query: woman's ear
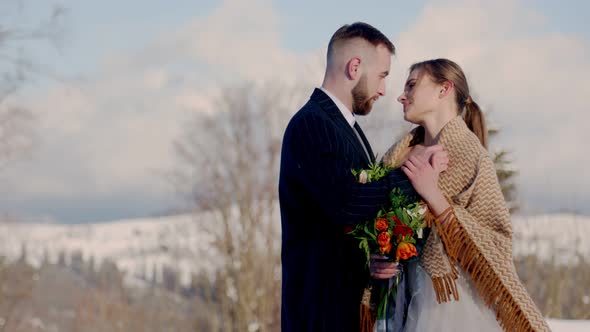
[446,88]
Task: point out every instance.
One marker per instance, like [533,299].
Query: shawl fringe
[367,314]
[461,249]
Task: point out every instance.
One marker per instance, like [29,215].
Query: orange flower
[381,224]
[405,250]
[383,239]
[385,249]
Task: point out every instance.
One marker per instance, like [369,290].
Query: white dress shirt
[348,115]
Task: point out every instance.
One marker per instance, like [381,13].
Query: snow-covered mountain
[184,242]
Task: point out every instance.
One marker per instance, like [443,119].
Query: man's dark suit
[324,271]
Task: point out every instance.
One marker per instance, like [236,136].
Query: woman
[466,279]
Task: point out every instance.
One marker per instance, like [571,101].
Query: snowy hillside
[137,245]
[183,242]
[547,235]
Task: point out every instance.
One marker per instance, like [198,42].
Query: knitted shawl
[475,233]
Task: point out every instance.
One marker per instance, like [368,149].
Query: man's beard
[361,103]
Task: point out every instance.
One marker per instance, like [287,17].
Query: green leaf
[369,233]
[405,219]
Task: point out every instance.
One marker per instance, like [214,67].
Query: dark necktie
[356,128]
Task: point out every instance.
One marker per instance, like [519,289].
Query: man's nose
[381,90]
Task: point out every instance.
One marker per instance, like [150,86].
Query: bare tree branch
[17,123]
[229,160]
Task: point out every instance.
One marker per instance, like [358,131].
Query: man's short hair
[360,30]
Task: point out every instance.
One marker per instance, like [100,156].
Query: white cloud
[113,133]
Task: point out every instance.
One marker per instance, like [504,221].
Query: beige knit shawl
[477,233]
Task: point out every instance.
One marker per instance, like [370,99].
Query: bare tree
[228,164]
[17,283]
[560,290]
[16,67]
[16,132]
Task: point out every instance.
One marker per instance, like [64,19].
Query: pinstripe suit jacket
[324,272]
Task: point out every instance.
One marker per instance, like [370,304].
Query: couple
[465,279]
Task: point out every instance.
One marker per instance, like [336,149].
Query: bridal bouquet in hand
[394,233]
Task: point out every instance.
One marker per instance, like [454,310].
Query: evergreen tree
[506,173]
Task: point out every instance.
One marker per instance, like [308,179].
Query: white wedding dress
[425,314]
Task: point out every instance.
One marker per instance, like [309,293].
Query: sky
[117,88]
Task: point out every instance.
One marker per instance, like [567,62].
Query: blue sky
[96,29]
[130,69]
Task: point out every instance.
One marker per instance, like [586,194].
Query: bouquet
[394,233]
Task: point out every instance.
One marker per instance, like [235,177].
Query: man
[324,271]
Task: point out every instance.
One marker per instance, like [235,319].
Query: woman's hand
[424,178]
[381,268]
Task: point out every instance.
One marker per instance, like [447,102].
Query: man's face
[371,84]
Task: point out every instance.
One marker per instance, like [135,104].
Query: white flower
[419,233]
[422,209]
[363,177]
[411,213]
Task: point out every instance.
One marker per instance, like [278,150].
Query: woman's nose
[402,98]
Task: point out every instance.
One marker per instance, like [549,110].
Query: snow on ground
[137,246]
[184,242]
[562,325]
[546,235]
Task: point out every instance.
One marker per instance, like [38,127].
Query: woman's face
[420,98]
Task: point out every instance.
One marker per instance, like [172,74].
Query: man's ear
[353,68]
[446,88]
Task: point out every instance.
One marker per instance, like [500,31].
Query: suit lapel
[332,110]
[365,141]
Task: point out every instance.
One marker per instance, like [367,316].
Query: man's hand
[381,268]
